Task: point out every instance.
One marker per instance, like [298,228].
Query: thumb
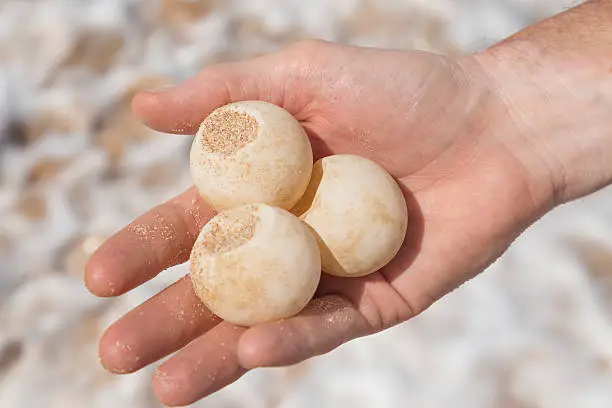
[182,108]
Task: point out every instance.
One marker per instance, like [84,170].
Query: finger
[181,109]
[325,324]
[206,365]
[161,238]
[156,328]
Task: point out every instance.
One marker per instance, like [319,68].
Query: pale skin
[482,145]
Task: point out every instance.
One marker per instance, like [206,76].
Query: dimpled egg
[358,213]
[255,263]
[251,152]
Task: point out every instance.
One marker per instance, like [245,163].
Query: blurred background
[534,331]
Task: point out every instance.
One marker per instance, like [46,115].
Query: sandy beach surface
[534,331]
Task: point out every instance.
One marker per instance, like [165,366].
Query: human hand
[431,121]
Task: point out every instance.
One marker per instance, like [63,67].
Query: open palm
[432,122]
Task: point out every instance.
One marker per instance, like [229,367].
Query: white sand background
[533,331]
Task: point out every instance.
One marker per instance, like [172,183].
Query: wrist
[557,101]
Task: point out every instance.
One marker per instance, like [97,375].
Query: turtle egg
[255,263]
[251,152]
[358,213]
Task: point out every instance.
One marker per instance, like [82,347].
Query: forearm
[555,81]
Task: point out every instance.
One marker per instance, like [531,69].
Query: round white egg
[251,152]
[358,213]
[254,264]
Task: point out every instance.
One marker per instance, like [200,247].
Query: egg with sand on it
[358,213]
[251,152]
[254,264]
